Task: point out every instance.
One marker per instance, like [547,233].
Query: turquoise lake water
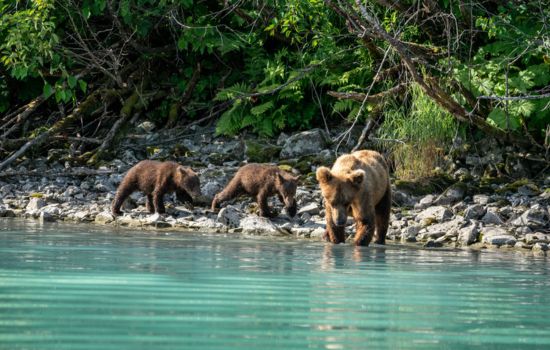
[83,287]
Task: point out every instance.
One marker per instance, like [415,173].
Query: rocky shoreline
[470,207]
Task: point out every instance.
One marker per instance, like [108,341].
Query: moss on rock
[260,153]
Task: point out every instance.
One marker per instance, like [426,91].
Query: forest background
[411,75]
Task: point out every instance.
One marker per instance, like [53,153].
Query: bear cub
[261,181]
[358,185]
[155,179]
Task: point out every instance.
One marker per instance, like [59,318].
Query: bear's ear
[356,177]
[183,170]
[323,174]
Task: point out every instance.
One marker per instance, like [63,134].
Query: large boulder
[474,211]
[304,143]
[452,195]
[497,236]
[468,235]
[434,214]
[536,216]
[257,152]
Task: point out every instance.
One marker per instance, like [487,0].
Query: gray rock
[229,216]
[256,225]
[540,246]
[449,228]
[491,218]
[429,235]
[409,234]
[452,195]
[528,190]
[536,216]
[474,211]
[157,220]
[46,217]
[304,143]
[425,202]
[400,198]
[437,213]
[104,217]
[489,231]
[523,230]
[318,233]
[433,244]
[311,209]
[532,238]
[469,234]
[6,212]
[82,215]
[35,204]
[500,240]
[498,236]
[211,188]
[147,126]
[522,245]
[473,160]
[481,199]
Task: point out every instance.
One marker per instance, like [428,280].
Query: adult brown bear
[358,184]
[261,181]
[155,179]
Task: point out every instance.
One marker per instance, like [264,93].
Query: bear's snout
[291,210]
[341,221]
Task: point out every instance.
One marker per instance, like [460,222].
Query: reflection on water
[83,287]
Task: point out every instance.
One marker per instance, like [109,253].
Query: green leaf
[261,109]
[71,81]
[47,90]
[498,118]
[83,85]
[524,108]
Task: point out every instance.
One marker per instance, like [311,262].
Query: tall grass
[424,130]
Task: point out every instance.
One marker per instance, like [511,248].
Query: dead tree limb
[360,97]
[83,110]
[22,116]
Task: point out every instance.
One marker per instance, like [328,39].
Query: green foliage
[422,135]
[265,66]
[513,62]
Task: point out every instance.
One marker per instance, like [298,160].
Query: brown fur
[261,181]
[358,185]
[155,179]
